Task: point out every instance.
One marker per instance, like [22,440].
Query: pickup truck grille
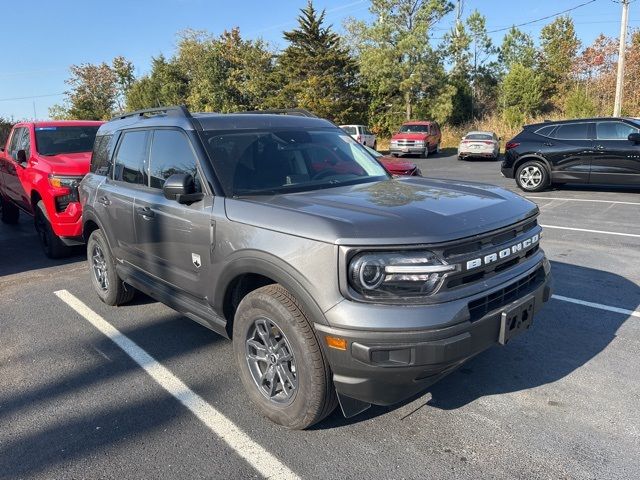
[403,143]
[482,246]
[480,307]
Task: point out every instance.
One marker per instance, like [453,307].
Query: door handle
[600,147]
[146,212]
[104,201]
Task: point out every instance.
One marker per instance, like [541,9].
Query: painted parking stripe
[605,232]
[600,306]
[583,200]
[260,459]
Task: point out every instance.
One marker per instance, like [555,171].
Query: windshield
[350,130]
[479,136]
[57,140]
[414,129]
[252,162]
[373,152]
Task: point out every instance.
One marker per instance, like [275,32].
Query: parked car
[40,169]
[479,145]
[417,137]
[396,166]
[361,134]
[589,150]
[335,282]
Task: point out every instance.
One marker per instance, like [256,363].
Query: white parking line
[583,200]
[260,459]
[634,235]
[600,306]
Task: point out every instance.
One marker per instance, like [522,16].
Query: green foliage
[317,72]
[522,92]
[513,116]
[517,47]
[165,85]
[5,128]
[559,48]
[579,104]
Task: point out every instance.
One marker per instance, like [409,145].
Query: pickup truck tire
[282,365]
[9,212]
[102,267]
[51,243]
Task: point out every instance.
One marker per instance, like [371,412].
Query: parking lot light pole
[623,45]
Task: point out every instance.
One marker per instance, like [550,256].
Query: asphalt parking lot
[561,401]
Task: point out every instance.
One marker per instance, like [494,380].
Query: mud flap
[350,406]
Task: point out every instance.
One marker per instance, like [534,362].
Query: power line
[34,96]
[542,18]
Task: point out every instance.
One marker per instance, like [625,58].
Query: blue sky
[42,38]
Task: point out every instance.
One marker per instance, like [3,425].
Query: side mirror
[634,137]
[21,157]
[181,187]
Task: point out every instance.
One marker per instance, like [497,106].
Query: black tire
[51,244]
[437,148]
[313,397]
[375,146]
[114,291]
[460,158]
[9,213]
[532,176]
[425,154]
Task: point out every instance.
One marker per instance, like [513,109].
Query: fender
[88,215]
[274,268]
[532,156]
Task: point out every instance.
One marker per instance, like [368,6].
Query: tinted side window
[614,130]
[171,153]
[101,157]
[130,158]
[572,131]
[13,144]
[24,143]
[546,131]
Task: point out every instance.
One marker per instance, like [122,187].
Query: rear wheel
[52,245]
[532,176]
[375,145]
[10,213]
[106,282]
[281,363]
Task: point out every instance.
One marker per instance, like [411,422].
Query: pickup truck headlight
[64,182]
[396,275]
[70,184]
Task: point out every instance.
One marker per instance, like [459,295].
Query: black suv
[335,281]
[590,150]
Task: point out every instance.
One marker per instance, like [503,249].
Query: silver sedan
[479,145]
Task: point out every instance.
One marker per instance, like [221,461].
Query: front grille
[480,307]
[403,143]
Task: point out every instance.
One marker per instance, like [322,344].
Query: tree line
[379,72]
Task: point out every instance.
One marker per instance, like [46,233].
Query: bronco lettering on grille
[514,249]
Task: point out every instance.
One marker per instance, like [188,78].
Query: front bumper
[399,150]
[506,171]
[478,154]
[385,367]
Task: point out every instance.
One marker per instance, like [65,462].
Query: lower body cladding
[386,367]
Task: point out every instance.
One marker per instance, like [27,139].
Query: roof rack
[300,112]
[181,110]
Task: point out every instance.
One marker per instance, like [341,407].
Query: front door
[175,239]
[616,160]
[13,172]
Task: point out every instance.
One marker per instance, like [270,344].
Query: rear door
[115,196]
[570,150]
[615,159]
[174,239]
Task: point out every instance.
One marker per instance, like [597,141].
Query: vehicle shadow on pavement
[563,338]
[103,417]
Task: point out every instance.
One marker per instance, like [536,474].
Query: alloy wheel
[271,361]
[531,176]
[100,268]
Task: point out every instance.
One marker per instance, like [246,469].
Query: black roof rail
[300,112]
[182,110]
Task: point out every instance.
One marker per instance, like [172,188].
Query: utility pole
[623,46]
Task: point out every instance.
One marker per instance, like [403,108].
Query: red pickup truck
[421,137]
[40,168]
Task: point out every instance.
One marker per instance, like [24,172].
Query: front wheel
[281,364]
[102,266]
[52,245]
[437,147]
[532,176]
[425,154]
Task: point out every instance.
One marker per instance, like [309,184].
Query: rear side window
[546,131]
[129,162]
[171,153]
[350,130]
[614,130]
[101,157]
[572,131]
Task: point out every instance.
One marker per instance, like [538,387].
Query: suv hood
[400,211]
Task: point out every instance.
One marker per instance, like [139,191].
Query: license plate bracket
[516,319]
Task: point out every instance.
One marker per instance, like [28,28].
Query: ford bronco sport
[335,281]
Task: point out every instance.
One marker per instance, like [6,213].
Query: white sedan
[479,145]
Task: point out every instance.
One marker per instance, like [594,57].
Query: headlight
[64,182]
[396,275]
[419,142]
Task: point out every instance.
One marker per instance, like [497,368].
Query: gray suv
[336,282]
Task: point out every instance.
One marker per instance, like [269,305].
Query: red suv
[40,169]
[419,137]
